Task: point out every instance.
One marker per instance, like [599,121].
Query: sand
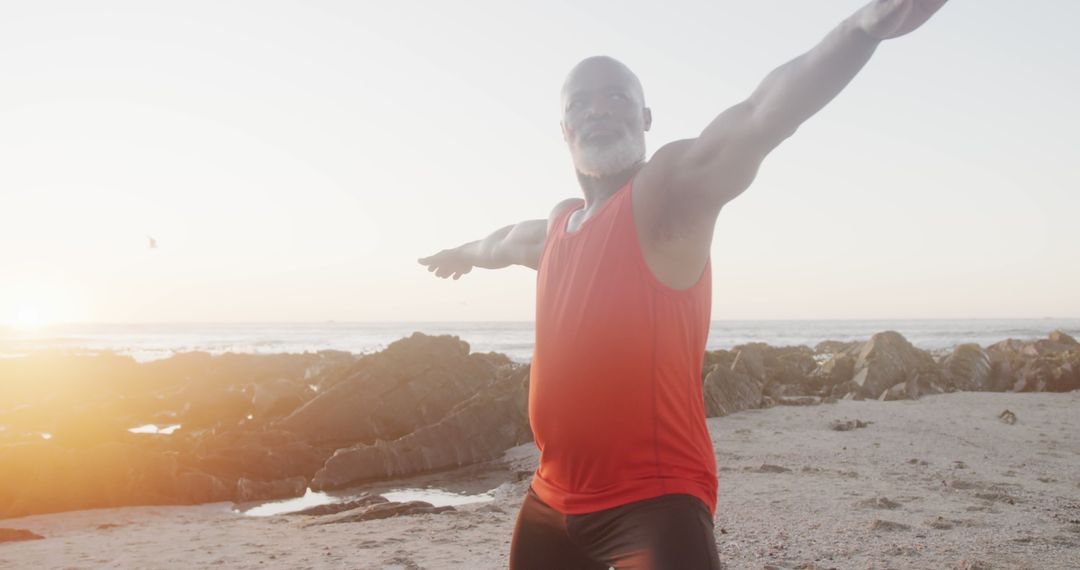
[941,482]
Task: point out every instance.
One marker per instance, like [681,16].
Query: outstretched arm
[518,244]
[723,160]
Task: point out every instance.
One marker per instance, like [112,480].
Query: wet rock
[364,501]
[18,534]
[388,510]
[250,490]
[415,382]
[886,360]
[481,428]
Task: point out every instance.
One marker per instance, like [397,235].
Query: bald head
[604,67]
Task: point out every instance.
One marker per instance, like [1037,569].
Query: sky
[292,160]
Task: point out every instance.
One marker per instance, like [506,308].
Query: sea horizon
[153,341]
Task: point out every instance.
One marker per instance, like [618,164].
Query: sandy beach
[939,482]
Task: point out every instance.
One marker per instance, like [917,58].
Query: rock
[886,360]
[1060,337]
[902,391]
[411,384]
[250,490]
[750,360]
[835,347]
[1051,372]
[835,371]
[262,455]
[1007,417]
[276,397]
[729,390]
[970,368]
[479,429]
[387,510]
[364,501]
[17,534]
[44,478]
[193,487]
[848,425]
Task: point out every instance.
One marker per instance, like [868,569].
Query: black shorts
[671,532]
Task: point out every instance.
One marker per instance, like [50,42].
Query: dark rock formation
[387,510]
[249,490]
[728,389]
[970,368]
[365,500]
[411,384]
[276,397]
[886,360]
[836,370]
[478,429]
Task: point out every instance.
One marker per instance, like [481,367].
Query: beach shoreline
[937,482]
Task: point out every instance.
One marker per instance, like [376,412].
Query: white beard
[600,161]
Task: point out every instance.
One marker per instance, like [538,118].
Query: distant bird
[153,242]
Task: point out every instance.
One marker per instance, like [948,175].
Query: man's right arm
[517,244]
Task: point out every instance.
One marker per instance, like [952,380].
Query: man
[627,474]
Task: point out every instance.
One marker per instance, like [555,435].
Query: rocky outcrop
[478,429]
[729,389]
[970,368]
[1044,365]
[886,360]
[411,384]
[257,429]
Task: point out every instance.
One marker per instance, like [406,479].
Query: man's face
[604,118]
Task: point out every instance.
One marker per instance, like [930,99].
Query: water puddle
[155,429]
[310,499]
[437,497]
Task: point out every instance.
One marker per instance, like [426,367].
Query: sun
[31,305]
[28,318]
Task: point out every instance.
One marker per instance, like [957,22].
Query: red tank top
[615,396]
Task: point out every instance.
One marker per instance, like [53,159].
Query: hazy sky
[293,159]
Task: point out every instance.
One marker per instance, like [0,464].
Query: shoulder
[562,207]
[663,168]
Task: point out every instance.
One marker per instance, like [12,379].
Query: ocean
[146,342]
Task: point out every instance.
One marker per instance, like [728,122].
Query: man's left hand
[886,19]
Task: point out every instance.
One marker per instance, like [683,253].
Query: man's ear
[647,113]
